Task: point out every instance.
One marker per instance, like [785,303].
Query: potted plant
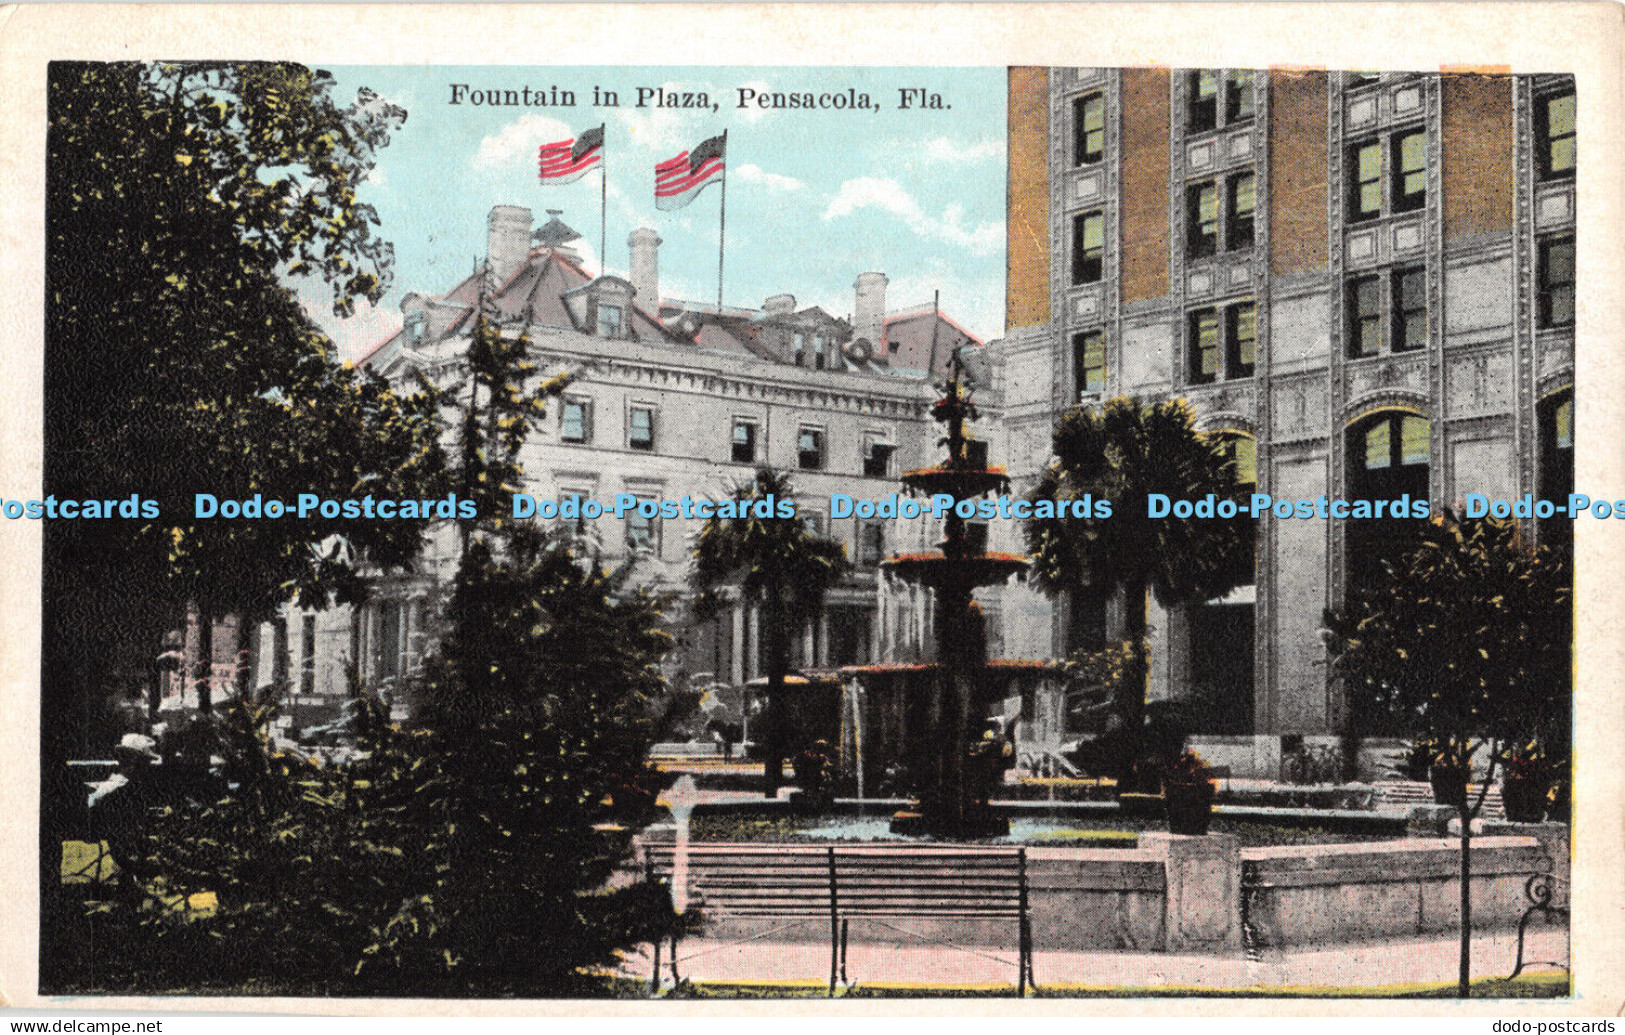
[1527,784]
[1188,793]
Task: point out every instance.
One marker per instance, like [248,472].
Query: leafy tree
[1467,644]
[777,565]
[1122,453]
[180,198]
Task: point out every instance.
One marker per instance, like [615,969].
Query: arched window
[1556,475]
[1387,461]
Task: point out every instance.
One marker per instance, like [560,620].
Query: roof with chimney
[923,339]
[551,290]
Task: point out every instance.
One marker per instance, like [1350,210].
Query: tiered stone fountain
[948,765]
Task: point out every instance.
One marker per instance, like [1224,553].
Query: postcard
[1085,502]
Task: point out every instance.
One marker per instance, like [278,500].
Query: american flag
[570,160]
[679,180]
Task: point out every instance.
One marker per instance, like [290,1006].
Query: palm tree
[778,565]
[1121,454]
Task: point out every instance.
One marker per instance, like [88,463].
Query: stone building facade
[1365,282]
[670,399]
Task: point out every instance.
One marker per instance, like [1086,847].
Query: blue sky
[814,197]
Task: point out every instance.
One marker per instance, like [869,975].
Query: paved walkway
[1352,965]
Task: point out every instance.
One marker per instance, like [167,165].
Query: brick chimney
[869,311]
[645,245]
[507,241]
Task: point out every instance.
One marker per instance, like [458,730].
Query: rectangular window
[1410,310]
[818,352]
[744,442]
[609,321]
[1204,346]
[1088,129]
[1241,340]
[1365,316]
[575,421]
[810,449]
[1088,247]
[1365,181]
[641,430]
[1556,283]
[813,522]
[643,532]
[876,457]
[1089,361]
[1240,200]
[1238,96]
[1410,171]
[1202,220]
[1554,130]
[871,543]
[1203,111]
[801,350]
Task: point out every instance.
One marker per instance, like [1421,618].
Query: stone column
[1202,912]
[737,658]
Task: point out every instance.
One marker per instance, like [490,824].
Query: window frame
[1233,216]
[1080,364]
[1198,243]
[1399,336]
[872,440]
[1356,317]
[1545,287]
[1088,265]
[632,441]
[1400,199]
[654,545]
[1228,217]
[1226,347]
[733,439]
[585,406]
[1230,87]
[1544,138]
[1392,199]
[1081,153]
[820,453]
[615,328]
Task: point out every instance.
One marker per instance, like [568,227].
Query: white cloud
[942,149]
[519,140]
[772,181]
[887,195]
[666,131]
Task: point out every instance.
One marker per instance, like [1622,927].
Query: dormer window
[801,350]
[609,320]
[417,325]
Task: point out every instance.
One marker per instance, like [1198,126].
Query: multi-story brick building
[670,399]
[1364,281]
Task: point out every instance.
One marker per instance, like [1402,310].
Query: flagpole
[722,229]
[603,204]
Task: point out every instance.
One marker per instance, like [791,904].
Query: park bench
[836,884]
[1542,891]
